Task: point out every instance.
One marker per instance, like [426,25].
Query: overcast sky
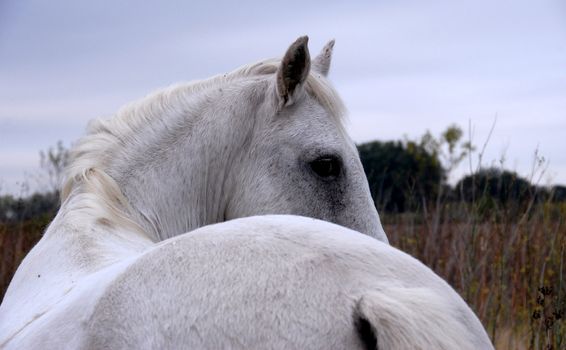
[402,67]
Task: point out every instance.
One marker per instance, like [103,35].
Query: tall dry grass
[16,239]
[508,265]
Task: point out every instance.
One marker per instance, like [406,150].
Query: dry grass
[16,239]
[508,267]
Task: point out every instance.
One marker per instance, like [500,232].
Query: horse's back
[278,282]
[243,284]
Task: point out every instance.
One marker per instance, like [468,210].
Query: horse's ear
[321,63]
[293,70]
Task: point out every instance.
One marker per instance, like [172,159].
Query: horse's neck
[170,199]
[177,180]
[90,234]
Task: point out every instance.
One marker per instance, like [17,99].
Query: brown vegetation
[16,239]
[510,269]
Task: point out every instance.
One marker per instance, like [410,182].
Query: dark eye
[326,167]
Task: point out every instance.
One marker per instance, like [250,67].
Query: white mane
[90,157]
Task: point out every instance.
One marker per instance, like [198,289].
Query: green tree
[400,174]
[558,193]
[494,186]
[448,148]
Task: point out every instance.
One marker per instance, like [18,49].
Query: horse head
[268,138]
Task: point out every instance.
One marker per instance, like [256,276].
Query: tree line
[406,175]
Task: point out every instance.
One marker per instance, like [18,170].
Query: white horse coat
[116,269]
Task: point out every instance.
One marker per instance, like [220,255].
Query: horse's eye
[326,167]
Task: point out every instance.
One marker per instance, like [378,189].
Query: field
[509,268]
[507,263]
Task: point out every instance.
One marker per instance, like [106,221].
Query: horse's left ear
[293,70]
[321,63]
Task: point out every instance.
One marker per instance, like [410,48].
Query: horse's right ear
[293,71]
[321,63]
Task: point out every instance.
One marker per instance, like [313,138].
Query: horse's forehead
[306,121]
[319,122]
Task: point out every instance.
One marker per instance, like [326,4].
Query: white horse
[116,270]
